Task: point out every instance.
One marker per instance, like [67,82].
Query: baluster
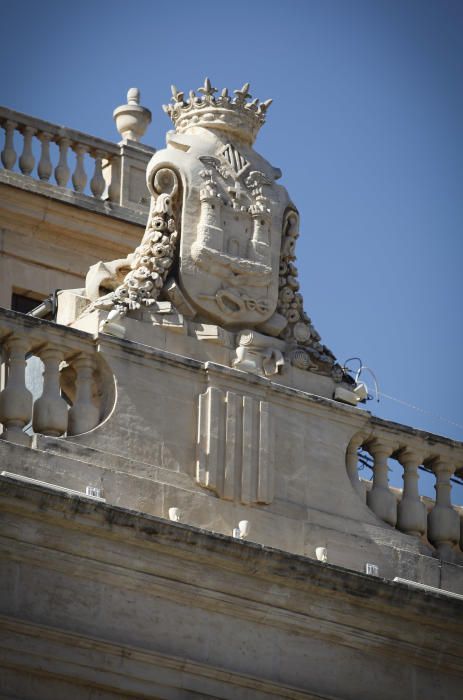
[79,177]
[351,465]
[411,512]
[27,160]
[443,520]
[97,183]
[380,499]
[16,399]
[114,188]
[62,171]
[45,167]
[50,414]
[8,153]
[84,414]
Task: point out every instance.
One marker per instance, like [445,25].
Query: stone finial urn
[132,119]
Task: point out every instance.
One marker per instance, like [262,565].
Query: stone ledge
[54,487]
[31,323]
[76,199]
[212,580]
[151,489]
[113,665]
[298,570]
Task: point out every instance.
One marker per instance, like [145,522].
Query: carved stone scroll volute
[152,260]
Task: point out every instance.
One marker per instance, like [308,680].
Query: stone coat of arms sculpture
[221,234]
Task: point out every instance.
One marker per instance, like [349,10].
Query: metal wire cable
[421,410]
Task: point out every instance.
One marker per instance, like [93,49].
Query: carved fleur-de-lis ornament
[253,105]
[177,95]
[263,107]
[224,94]
[207,90]
[193,98]
[243,94]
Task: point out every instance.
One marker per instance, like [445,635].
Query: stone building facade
[181,512]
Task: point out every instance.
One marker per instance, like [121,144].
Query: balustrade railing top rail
[57,131]
[71,339]
[400,437]
[34,158]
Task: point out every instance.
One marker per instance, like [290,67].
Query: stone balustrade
[77,393]
[438,525]
[90,153]
[74,398]
[74,160]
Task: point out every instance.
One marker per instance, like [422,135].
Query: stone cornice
[112,662]
[75,199]
[209,571]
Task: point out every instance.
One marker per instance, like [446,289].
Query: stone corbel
[258,353]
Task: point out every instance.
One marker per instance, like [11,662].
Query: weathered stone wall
[99,601]
[221,446]
[46,245]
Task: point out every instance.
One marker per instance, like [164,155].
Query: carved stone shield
[219,243]
[232,214]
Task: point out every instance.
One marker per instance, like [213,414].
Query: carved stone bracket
[259,354]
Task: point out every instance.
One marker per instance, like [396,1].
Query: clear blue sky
[366,125]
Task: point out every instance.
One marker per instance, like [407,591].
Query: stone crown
[235,115]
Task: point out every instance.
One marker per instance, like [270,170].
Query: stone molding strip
[151,671]
[54,487]
[355,602]
[83,201]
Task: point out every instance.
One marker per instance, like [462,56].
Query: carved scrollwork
[308,352]
[165,181]
[152,260]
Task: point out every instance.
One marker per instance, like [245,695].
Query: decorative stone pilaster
[235,446]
